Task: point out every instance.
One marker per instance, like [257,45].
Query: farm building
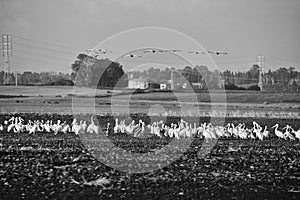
[143,83]
[200,85]
[165,86]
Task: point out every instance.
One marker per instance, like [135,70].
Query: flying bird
[174,50]
[131,56]
[218,52]
[96,52]
[196,52]
[89,50]
[150,51]
[160,50]
[102,51]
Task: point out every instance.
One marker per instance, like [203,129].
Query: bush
[254,88]
[233,87]
[62,82]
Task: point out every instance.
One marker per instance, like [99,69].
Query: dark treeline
[37,78]
[282,79]
[198,74]
[91,72]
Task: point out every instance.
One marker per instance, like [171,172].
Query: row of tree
[280,79]
[35,78]
[281,76]
[91,72]
[200,75]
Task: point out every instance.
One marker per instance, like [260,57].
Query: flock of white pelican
[97,52]
[182,129]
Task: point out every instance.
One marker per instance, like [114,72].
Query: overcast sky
[242,28]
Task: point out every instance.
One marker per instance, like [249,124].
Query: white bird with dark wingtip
[297,133]
[102,51]
[117,127]
[92,128]
[287,133]
[196,52]
[278,133]
[98,51]
[174,50]
[150,51]
[217,52]
[265,132]
[131,56]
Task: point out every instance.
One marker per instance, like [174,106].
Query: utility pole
[261,63]
[16,78]
[6,52]
[172,79]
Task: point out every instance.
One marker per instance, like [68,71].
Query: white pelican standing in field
[92,128]
[278,133]
[236,130]
[33,128]
[193,130]
[297,133]
[176,131]
[130,127]
[46,126]
[140,131]
[171,131]
[18,126]
[40,126]
[243,134]
[154,129]
[108,129]
[117,127]
[65,128]
[76,128]
[57,127]
[73,125]
[122,126]
[11,119]
[287,133]
[208,132]
[187,131]
[229,129]
[265,133]
[83,126]
[10,126]
[257,130]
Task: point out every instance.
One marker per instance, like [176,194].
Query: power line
[46,49]
[42,55]
[39,61]
[43,42]
[283,60]
[235,62]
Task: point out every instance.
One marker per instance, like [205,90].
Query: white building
[138,83]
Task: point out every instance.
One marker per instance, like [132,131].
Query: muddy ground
[47,166]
